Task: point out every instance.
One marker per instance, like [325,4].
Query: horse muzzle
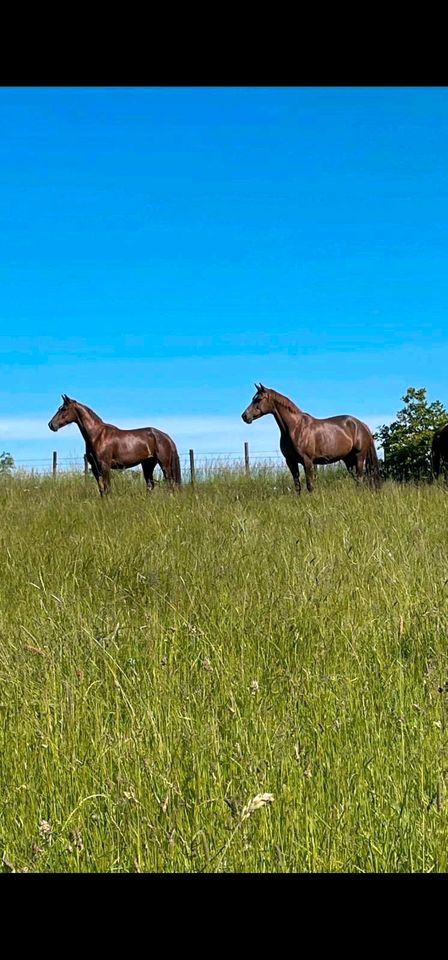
[53,428]
[245,417]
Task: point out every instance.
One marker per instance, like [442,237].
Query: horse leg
[148,467]
[293,466]
[442,468]
[106,480]
[96,473]
[166,467]
[309,473]
[103,478]
[350,463]
[168,475]
[360,461]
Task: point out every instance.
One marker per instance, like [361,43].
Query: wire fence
[193,465]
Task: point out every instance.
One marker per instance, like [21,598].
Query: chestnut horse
[306,440]
[439,451]
[109,448]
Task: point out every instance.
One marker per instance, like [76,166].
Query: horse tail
[435,454]
[175,466]
[372,466]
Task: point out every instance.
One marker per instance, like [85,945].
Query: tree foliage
[6,462]
[407,441]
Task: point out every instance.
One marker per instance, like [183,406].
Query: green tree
[407,441]
[6,462]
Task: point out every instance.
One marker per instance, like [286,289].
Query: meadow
[229,679]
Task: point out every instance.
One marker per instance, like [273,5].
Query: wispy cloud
[214,433]
[22,428]
[205,434]
[35,428]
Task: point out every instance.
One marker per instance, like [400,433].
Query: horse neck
[285,417]
[88,422]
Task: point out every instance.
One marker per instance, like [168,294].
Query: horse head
[64,415]
[259,405]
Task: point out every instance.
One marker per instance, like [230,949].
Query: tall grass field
[227,679]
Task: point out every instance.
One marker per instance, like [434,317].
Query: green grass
[166,659]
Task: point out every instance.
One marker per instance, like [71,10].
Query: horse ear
[262,387]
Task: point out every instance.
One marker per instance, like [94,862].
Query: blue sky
[162,248]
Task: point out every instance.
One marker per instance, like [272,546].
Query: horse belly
[332,444]
[324,460]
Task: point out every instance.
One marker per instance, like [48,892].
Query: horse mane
[283,401]
[89,409]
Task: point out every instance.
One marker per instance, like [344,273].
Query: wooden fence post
[246,457]
[191,466]
[55,462]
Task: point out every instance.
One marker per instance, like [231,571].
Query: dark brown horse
[109,448]
[439,451]
[306,440]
